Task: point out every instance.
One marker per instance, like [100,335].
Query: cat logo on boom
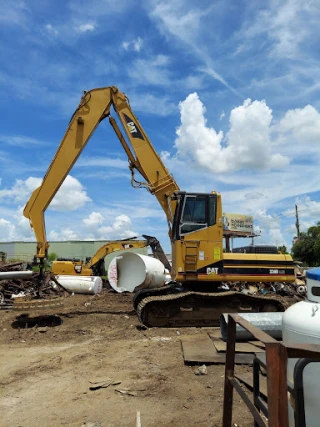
[132,127]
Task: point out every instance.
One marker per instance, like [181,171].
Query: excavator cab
[195,211]
[197,235]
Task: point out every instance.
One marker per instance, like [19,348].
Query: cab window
[194,216]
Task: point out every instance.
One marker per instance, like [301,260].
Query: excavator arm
[94,107]
[110,247]
[95,266]
[119,245]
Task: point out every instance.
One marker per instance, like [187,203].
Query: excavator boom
[95,106]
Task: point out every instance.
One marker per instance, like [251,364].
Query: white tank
[130,272]
[81,284]
[301,324]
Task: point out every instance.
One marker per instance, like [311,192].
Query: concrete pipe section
[80,284]
[130,272]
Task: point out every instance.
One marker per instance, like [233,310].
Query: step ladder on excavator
[191,259]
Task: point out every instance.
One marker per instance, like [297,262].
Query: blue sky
[228,93]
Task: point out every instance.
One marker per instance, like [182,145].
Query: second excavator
[95,265]
[195,222]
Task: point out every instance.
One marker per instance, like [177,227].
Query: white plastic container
[301,324]
[130,272]
[81,284]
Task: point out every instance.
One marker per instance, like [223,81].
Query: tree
[52,256]
[283,249]
[307,248]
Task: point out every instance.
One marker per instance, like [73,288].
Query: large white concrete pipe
[130,272]
[80,284]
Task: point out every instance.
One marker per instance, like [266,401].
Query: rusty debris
[36,287]
[11,266]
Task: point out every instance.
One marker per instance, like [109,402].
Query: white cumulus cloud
[303,124]
[63,234]
[93,220]
[120,229]
[21,190]
[70,196]
[270,228]
[7,230]
[17,228]
[306,208]
[95,227]
[246,145]
[248,140]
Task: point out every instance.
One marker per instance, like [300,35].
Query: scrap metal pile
[297,290]
[283,289]
[11,266]
[19,284]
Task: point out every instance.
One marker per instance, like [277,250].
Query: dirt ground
[46,371]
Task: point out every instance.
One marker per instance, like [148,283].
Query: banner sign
[238,222]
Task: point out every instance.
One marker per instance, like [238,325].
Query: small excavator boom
[95,266]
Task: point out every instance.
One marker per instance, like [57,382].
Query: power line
[297,223]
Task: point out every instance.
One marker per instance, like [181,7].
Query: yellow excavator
[95,266]
[195,223]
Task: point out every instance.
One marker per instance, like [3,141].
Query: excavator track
[199,309]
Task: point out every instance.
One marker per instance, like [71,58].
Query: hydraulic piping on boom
[194,222]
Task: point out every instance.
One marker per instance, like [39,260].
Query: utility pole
[297,223]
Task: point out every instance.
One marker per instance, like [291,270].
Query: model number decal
[276,271]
